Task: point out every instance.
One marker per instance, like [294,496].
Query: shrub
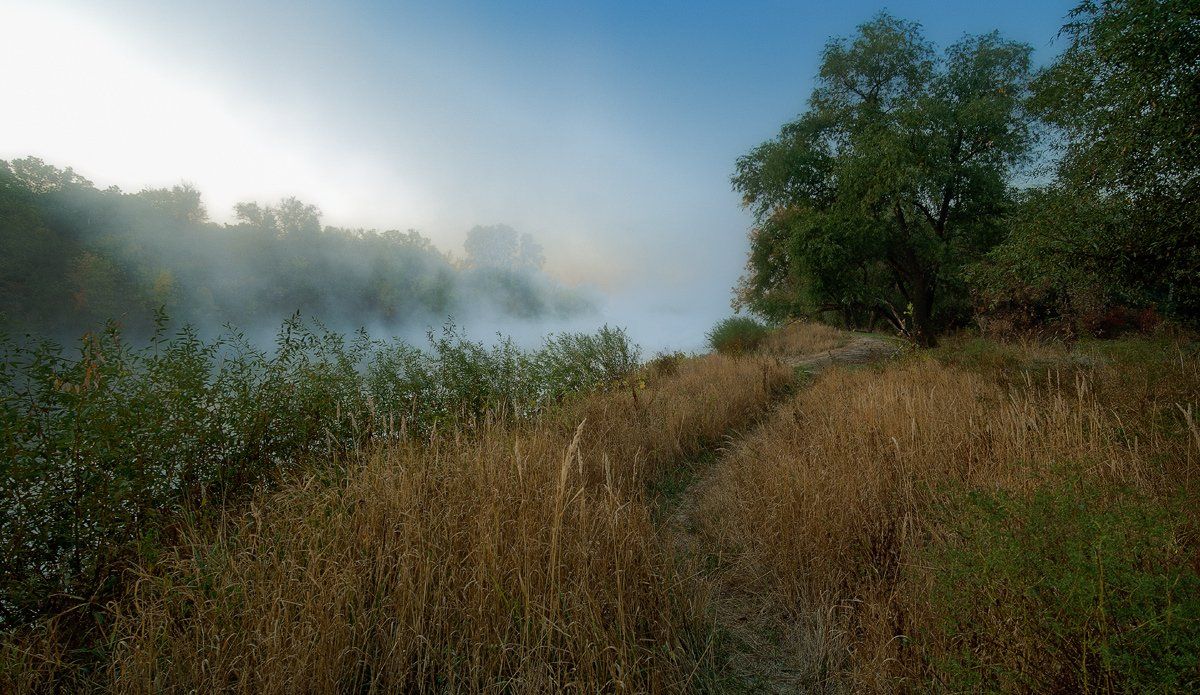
[736,335]
[574,362]
[666,364]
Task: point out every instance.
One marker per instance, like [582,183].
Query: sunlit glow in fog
[82,98]
[608,131]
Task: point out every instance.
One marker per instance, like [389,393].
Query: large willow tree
[873,200]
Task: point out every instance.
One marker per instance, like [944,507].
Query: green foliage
[736,335]
[1121,224]
[873,201]
[1125,92]
[101,449]
[892,196]
[1071,589]
[499,246]
[1070,257]
[571,362]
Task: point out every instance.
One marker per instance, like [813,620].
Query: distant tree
[33,257]
[500,246]
[494,246]
[296,217]
[874,200]
[98,288]
[72,256]
[255,215]
[531,256]
[163,290]
[289,217]
[411,239]
[182,203]
[39,177]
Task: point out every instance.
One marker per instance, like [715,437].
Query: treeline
[935,189]
[73,256]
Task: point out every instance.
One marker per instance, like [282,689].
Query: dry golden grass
[526,559]
[679,414]
[513,561]
[825,510]
[803,338]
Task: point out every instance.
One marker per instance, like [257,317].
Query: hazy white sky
[608,131]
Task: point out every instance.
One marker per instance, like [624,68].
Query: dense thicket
[73,256]
[102,447]
[901,194]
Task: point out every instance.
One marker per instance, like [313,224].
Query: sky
[607,130]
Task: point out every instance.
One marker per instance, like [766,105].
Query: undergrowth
[496,555]
[103,448]
[1074,587]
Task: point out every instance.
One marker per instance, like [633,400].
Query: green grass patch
[1074,588]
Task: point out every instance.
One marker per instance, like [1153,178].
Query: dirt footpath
[862,349]
[757,656]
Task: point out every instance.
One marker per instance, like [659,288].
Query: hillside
[711,523]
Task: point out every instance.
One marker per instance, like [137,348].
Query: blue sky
[607,130]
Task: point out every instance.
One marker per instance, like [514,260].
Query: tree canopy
[873,201]
[898,193]
[1124,103]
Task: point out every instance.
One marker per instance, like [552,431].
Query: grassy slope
[978,518]
[992,517]
[522,559]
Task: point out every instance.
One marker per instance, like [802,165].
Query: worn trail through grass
[750,640]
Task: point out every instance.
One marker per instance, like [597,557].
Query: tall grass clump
[926,525]
[660,420]
[736,335]
[104,447]
[491,564]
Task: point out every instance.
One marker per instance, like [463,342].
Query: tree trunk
[924,333]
